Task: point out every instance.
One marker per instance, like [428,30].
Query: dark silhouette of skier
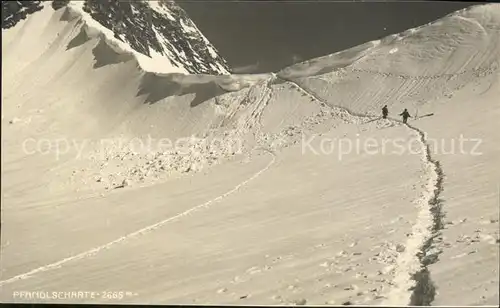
[405,115]
[385,112]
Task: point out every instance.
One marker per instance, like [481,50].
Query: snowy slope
[92,200]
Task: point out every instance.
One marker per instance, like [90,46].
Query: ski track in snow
[412,283]
[142,231]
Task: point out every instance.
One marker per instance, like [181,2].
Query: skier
[405,115]
[385,112]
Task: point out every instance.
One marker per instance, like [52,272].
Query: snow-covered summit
[159,33]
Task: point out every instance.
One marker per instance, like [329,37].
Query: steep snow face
[158,30]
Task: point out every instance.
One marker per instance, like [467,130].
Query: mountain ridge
[158,31]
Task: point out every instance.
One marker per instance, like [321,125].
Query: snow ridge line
[412,272]
[139,232]
[339,108]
